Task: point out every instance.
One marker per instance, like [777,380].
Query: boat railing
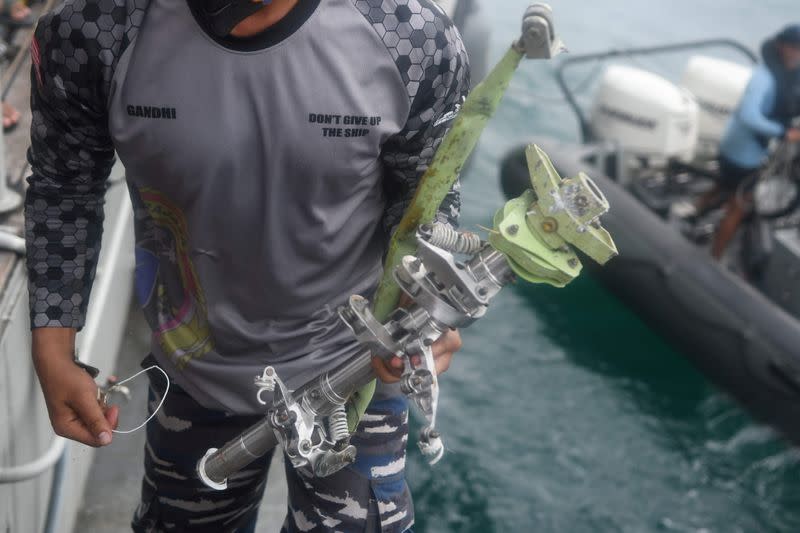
[53,458]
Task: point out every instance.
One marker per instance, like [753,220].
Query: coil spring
[337,425]
[454,241]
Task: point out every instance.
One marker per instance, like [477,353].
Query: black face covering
[220,16]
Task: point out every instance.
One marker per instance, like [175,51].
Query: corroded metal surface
[443,172]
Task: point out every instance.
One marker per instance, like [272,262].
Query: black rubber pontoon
[734,334]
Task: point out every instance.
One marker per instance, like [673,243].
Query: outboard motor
[649,122]
[718,86]
[645,115]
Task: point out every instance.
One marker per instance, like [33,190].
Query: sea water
[565,412]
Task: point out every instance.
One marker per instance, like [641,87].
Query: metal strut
[450,277]
[311,423]
[532,239]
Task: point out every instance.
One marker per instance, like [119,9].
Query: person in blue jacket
[770,102]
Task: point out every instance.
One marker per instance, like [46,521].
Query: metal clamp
[420,383]
[321,444]
[446,294]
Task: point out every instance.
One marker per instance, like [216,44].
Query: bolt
[428,342]
[573,263]
[549,225]
[305,446]
[512,229]
[482,291]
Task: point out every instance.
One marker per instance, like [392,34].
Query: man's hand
[443,351]
[793,135]
[69,391]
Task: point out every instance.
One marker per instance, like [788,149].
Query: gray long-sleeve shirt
[265,172]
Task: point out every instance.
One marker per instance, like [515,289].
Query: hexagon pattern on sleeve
[74,55]
[432,61]
[74,52]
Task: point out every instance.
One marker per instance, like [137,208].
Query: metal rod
[323,394]
[56,494]
[443,171]
[218,465]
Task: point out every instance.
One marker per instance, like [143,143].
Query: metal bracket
[367,329]
[300,431]
[539,40]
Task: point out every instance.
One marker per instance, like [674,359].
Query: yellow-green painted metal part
[537,231]
[531,258]
[443,171]
[574,204]
[533,231]
[434,185]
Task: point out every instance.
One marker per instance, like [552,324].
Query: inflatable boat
[650,145]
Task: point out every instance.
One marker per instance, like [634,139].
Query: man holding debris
[270,148]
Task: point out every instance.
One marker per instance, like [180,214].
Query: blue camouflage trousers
[369,496]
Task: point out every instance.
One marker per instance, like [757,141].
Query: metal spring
[454,241]
[337,425]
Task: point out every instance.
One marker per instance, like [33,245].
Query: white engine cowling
[645,114]
[717,85]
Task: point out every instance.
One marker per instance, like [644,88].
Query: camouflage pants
[368,496]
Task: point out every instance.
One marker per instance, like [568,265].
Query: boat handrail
[569,61]
[36,467]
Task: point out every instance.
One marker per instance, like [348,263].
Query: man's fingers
[443,349]
[383,372]
[450,342]
[440,347]
[405,301]
[112,415]
[70,426]
[443,362]
[91,415]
